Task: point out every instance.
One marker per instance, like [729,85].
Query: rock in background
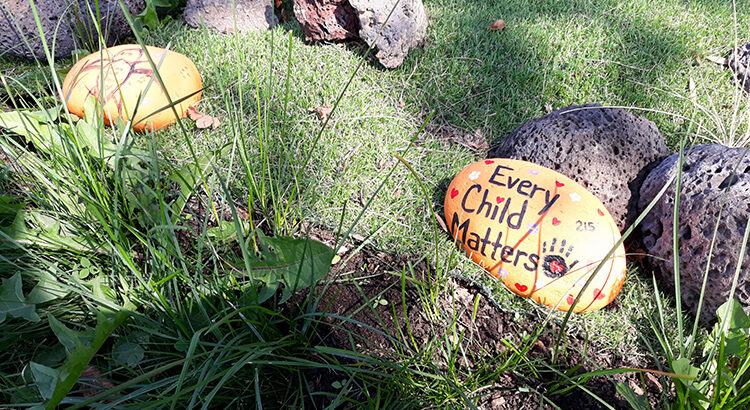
[220,15]
[327,20]
[404,30]
[606,150]
[706,175]
[739,62]
[75,25]
[348,19]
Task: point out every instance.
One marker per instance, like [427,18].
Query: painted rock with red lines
[122,79]
[538,231]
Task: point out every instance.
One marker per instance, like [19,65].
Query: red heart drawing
[571,299]
[598,294]
[556,267]
[559,184]
[499,200]
[454,193]
[521,288]
[556,222]
[600,211]
[489,161]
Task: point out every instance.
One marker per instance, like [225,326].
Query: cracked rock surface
[607,150]
[329,20]
[75,25]
[709,186]
[220,15]
[404,30]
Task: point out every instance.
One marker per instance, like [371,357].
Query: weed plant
[115,296]
[132,304]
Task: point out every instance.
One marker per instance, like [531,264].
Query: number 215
[582,226]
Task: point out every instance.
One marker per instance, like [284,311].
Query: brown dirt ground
[367,288]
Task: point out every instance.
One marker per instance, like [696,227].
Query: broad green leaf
[226,231]
[149,17]
[107,320]
[46,290]
[297,263]
[732,311]
[34,228]
[13,303]
[162,3]
[684,367]
[46,379]
[735,325]
[9,208]
[67,337]
[47,115]
[44,136]
[129,353]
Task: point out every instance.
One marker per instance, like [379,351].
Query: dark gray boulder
[71,20]
[709,185]
[739,62]
[608,151]
[220,15]
[405,29]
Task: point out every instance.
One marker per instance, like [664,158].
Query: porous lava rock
[221,15]
[404,29]
[330,20]
[715,179]
[608,151]
[739,62]
[67,22]
[327,20]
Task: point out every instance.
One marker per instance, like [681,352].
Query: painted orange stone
[127,74]
[537,231]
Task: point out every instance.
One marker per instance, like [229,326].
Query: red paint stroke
[598,294]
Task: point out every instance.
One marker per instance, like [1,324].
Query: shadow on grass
[555,54]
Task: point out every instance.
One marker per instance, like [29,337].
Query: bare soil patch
[374,304]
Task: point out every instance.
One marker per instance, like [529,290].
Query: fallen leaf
[401,104]
[717,60]
[697,57]
[203,120]
[441,223]
[497,25]
[323,112]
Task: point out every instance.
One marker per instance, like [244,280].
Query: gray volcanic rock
[71,19]
[327,19]
[220,15]
[708,183]
[607,150]
[739,62]
[405,29]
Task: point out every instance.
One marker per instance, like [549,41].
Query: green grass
[636,54]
